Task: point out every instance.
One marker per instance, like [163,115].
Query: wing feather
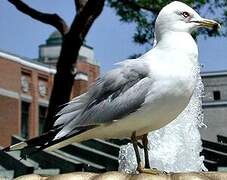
[118,93]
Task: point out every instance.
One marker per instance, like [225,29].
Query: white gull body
[140,95]
[172,80]
[162,81]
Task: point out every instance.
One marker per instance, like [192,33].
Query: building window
[42,88]
[25,80]
[24,119]
[25,83]
[42,117]
[217,95]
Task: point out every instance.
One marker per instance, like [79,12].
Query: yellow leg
[140,168]
[135,146]
[145,147]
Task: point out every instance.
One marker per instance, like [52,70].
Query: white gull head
[179,17]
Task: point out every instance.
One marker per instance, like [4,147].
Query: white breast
[172,70]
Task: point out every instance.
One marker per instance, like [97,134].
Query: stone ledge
[121,176]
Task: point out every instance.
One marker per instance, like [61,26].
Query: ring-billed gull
[138,96]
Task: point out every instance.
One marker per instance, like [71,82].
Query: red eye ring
[185,14]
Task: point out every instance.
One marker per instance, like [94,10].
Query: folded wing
[118,93]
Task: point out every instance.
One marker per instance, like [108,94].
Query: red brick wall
[9,75]
[10,108]
[94,72]
[9,119]
[91,70]
[79,87]
[35,76]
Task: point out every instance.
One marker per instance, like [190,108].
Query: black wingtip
[6,149]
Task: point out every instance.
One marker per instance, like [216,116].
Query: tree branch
[51,19]
[79,29]
[147,8]
[80,5]
[72,41]
[138,6]
[84,19]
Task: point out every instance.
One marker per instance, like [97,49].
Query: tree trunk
[72,41]
[73,37]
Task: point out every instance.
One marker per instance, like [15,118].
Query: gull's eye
[185,14]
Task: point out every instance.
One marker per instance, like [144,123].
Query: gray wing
[118,93]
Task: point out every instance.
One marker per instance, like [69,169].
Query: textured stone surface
[215,120]
[122,176]
[215,111]
[215,83]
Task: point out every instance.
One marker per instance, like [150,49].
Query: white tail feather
[66,142]
[18,146]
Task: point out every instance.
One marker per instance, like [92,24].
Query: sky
[111,39]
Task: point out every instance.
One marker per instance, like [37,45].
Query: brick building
[25,87]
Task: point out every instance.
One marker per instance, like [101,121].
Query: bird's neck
[180,41]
